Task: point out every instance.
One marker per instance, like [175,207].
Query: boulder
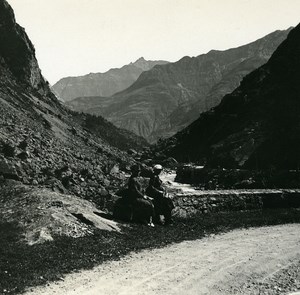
[23,145]
[132,152]
[8,150]
[23,155]
[7,170]
[170,163]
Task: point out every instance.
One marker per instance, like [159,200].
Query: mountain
[102,84]
[257,126]
[169,97]
[17,56]
[48,151]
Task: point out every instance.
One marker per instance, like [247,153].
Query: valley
[225,127]
[167,98]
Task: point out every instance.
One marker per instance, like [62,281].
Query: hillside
[169,97]
[102,84]
[254,127]
[49,155]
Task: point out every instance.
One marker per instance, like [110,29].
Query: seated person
[141,205]
[162,204]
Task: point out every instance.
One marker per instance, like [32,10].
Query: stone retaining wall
[188,204]
[210,179]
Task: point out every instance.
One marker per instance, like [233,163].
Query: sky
[77,37]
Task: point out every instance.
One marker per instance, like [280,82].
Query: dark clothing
[155,189]
[162,204]
[142,209]
[122,210]
[134,189]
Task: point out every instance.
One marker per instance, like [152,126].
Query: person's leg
[167,210]
[158,211]
[151,222]
[144,211]
[168,217]
[151,213]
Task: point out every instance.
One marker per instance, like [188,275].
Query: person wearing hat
[162,204]
[142,207]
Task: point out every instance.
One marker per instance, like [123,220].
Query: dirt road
[239,262]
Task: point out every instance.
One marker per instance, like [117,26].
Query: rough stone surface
[41,142]
[220,178]
[43,214]
[192,203]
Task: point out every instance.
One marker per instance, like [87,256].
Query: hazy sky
[76,37]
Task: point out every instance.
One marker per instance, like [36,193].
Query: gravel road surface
[252,261]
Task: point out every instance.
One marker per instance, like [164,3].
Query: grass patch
[23,266]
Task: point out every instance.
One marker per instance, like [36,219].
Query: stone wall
[189,204]
[209,179]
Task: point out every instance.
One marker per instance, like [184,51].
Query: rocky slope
[169,97]
[102,84]
[43,145]
[254,127]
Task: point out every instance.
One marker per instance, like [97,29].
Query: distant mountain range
[102,84]
[257,126]
[169,97]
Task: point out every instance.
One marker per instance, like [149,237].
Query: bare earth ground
[262,260]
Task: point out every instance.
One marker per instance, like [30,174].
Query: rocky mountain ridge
[169,97]
[44,147]
[17,54]
[254,127]
[102,84]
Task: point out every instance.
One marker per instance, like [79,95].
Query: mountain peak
[103,84]
[168,98]
[6,13]
[143,64]
[141,59]
[147,65]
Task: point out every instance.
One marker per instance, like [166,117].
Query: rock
[39,237]
[103,192]
[7,170]
[170,163]
[99,150]
[59,204]
[37,135]
[47,124]
[8,150]
[67,180]
[115,169]
[23,145]
[23,155]
[106,182]
[47,171]
[74,131]
[132,152]
[25,180]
